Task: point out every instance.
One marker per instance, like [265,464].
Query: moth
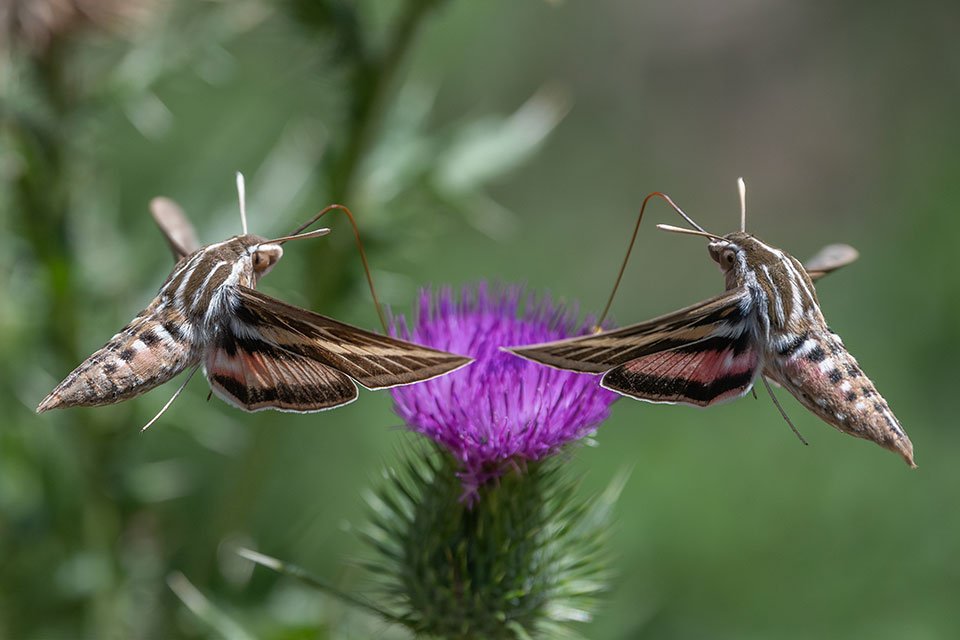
[257,352]
[767,324]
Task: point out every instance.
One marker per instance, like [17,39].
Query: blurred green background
[509,140]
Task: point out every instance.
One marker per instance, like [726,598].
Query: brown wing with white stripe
[375,361]
[719,317]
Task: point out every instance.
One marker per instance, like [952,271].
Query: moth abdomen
[142,356]
[826,379]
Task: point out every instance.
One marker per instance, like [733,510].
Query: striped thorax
[203,285]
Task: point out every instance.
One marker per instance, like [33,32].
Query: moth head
[264,256]
[724,253]
[266,253]
[729,253]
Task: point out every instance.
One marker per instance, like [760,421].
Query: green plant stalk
[373,79]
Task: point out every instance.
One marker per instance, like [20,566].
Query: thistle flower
[501,411]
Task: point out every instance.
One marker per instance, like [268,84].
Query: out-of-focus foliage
[430,120]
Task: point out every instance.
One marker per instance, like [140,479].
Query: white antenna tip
[242,193]
[742,186]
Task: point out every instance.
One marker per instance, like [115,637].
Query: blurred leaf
[492,147]
[205,610]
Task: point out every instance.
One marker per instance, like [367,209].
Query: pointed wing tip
[522,351]
[379,383]
[455,364]
[529,355]
[539,354]
[162,206]
[849,252]
[175,226]
[829,259]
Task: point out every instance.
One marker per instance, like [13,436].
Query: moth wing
[830,258]
[373,360]
[254,375]
[704,373]
[175,226]
[726,314]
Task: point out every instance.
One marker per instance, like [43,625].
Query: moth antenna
[742,186]
[242,193]
[363,256]
[300,236]
[689,232]
[633,239]
[170,401]
[680,211]
[782,412]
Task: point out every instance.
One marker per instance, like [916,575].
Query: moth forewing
[373,360]
[175,226]
[720,316]
[701,355]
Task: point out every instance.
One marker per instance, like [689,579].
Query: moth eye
[264,258]
[728,257]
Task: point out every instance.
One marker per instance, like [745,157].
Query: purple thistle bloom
[501,410]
